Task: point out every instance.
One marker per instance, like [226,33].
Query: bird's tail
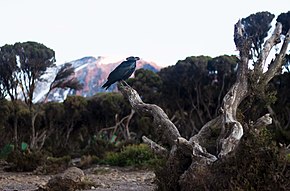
[106,85]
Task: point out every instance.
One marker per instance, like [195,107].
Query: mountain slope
[92,73]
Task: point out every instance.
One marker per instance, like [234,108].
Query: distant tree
[22,67]
[33,59]
[147,82]
[75,110]
[256,27]
[192,89]
[287,62]
[109,105]
[8,72]
[190,162]
[182,92]
[5,112]
[9,82]
[223,71]
[52,121]
[109,115]
[280,110]
[283,18]
[64,79]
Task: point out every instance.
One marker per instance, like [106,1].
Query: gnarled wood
[231,129]
[276,65]
[165,128]
[157,149]
[268,45]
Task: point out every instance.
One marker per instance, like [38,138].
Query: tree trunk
[15,127]
[33,134]
[15,123]
[186,158]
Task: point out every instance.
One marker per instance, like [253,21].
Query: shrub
[53,165]
[25,161]
[257,164]
[6,150]
[131,155]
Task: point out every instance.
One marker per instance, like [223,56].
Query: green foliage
[23,115]
[281,107]
[6,150]
[34,59]
[104,107]
[288,158]
[53,113]
[148,84]
[8,72]
[223,65]
[53,165]
[74,107]
[5,108]
[59,160]
[146,127]
[98,147]
[131,155]
[270,98]
[112,102]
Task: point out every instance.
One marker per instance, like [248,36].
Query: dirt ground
[104,178]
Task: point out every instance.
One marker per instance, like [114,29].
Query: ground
[104,178]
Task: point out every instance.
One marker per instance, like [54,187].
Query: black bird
[122,72]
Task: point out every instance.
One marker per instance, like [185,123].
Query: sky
[162,31]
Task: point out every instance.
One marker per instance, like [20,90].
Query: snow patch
[110,60]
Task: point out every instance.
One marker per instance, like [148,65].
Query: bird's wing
[120,70]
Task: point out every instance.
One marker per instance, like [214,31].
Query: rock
[68,181]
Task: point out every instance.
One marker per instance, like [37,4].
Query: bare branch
[268,45]
[263,121]
[194,149]
[163,125]
[157,149]
[128,122]
[278,62]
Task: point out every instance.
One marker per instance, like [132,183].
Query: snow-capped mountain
[92,73]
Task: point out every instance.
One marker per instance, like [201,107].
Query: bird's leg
[125,83]
[121,83]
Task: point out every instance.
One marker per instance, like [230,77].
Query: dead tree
[185,157]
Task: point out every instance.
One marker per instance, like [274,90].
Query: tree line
[190,92]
